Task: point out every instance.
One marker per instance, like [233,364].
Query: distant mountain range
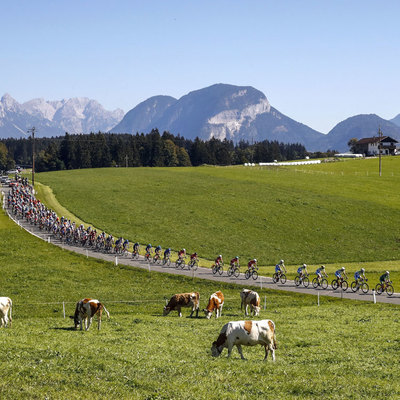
[222,111]
[52,118]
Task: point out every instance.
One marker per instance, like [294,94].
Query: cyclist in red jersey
[252,264]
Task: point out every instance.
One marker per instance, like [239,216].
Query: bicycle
[253,272]
[320,282]
[233,270]
[135,255]
[279,276]
[180,262]
[166,261]
[302,280]
[156,259]
[339,283]
[384,287]
[218,268]
[363,285]
[147,257]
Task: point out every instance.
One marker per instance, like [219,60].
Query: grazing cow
[252,299]
[178,301]
[86,309]
[246,333]
[5,305]
[215,302]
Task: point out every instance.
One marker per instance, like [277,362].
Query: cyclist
[302,271]
[234,262]
[252,264]
[167,254]
[219,261]
[182,254]
[157,252]
[126,245]
[319,272]
[149,250]
[279,268]
[193,258]
[359,276]
[135,248]
[384,279]
[339,273]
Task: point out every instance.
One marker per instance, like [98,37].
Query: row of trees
[153,150]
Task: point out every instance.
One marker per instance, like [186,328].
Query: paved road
[205,273]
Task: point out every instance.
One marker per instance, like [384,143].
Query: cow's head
[256,310]
[166,310]
[216,350]
[207,313]
[76,320]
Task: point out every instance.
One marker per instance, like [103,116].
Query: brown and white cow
[252,299]
[5,306]
[180,300]
[215,303]
[85,310]
[246,333]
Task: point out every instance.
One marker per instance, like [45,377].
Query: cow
[180,300]
[215,302]
[5,306]
[86,309]
[252,299]
[246,333]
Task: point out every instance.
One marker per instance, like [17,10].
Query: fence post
[64,309]
[87,254]
[261,281]
[48,239]
[373,295]
[116,260]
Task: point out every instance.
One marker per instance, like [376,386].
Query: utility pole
[32,131]
[380,151]
[126,161]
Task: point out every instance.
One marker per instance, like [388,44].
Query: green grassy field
[339,350]
[339,213]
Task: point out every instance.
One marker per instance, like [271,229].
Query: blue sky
[319,62]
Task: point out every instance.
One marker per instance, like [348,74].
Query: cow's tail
[10,312]
[274,339]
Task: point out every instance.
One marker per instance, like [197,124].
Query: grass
[335,214]
[340,350]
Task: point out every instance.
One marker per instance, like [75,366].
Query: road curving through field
[262,282]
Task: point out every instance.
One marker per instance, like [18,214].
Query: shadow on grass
[70,328]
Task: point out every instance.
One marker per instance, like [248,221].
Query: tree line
[97,150]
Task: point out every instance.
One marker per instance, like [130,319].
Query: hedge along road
[262,282]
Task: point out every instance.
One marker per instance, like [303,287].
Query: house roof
[376,139]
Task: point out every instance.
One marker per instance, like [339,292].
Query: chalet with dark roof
[370,146]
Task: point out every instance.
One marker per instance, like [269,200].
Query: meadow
[339,350]
[338,213]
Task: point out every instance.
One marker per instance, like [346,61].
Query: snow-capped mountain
[52,118]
